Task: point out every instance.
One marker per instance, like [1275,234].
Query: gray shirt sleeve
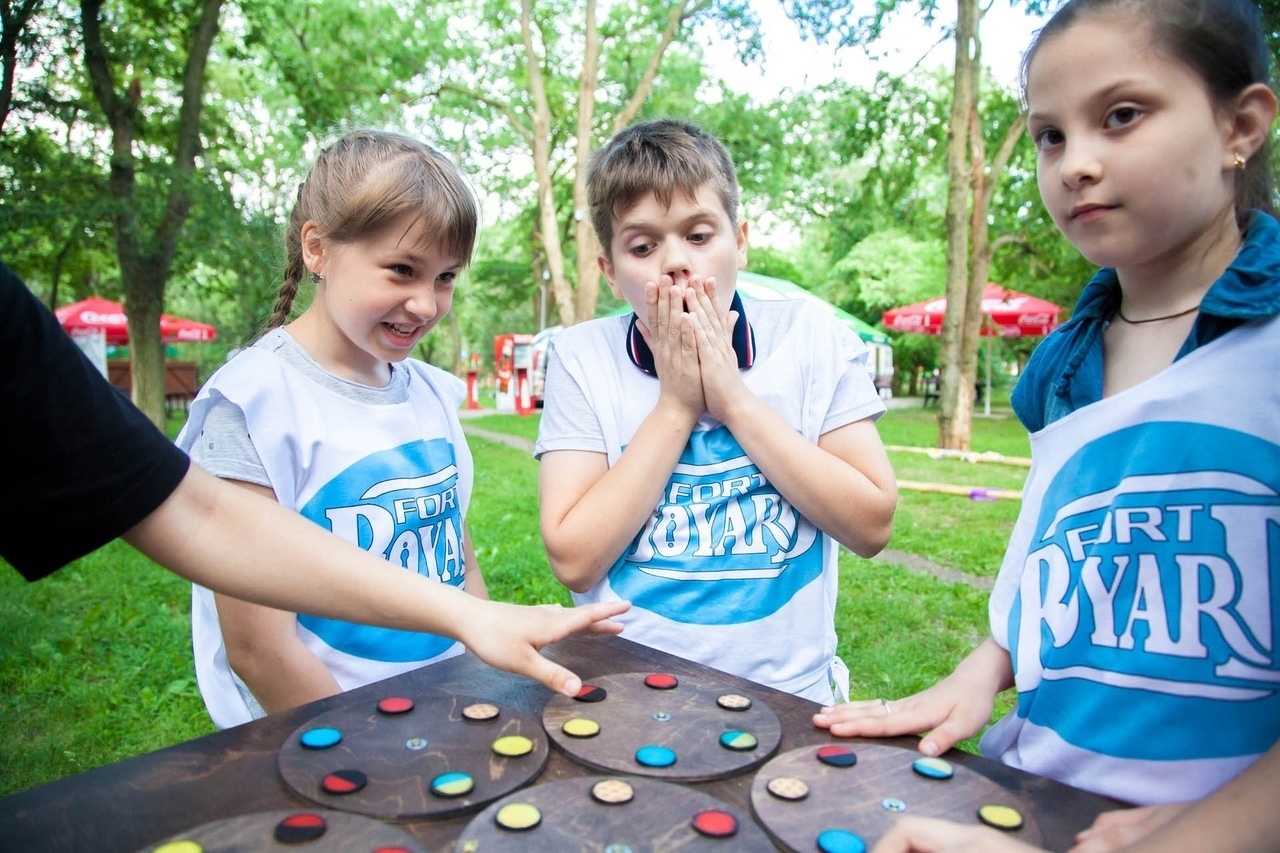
[568,421]
[224,447]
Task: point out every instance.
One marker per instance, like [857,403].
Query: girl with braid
[328,415]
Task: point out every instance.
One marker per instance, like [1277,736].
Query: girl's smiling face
[1134,164]
[378,297]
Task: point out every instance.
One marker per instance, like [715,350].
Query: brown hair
[659,157]
[1220,40]
[363,182]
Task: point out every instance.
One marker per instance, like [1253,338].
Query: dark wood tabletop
[139,801]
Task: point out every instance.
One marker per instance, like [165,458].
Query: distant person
[330,416]
[700,459]
[83,466]
[1136,611]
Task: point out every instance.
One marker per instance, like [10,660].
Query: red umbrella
[98,313]
[1010,315]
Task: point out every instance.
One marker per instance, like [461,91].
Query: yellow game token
[179,847]
[513,746]
[581,727]
[518,816]
[1001,817]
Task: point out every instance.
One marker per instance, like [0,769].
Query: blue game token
[320,738]
[840,841]
[655,756]
[739,741]
[933,768]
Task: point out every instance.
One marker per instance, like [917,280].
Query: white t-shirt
[725,572]
[387,469]
[1140,596]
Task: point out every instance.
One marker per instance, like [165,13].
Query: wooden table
[132,803]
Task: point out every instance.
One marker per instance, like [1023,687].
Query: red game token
[715,823]
[297,828]
[393,705]
[661,681]
[837,756]
[591,693]
[392,850]
[344,782]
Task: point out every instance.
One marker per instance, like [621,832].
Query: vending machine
[512,366]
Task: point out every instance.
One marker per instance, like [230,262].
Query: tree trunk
[584,235]
[561,291]
[955,403]
[144,302]
[146,262]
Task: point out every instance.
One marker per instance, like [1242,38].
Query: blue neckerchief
[744,341]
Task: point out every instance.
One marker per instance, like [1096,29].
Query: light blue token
[933,768]
[320,738]
[655,756]
[893,804]
[840,841]
[739,741]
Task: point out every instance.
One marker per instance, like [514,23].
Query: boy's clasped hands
[692,343]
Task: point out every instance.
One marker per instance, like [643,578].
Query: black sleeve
[81,465]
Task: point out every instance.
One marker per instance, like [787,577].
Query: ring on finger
[884,703]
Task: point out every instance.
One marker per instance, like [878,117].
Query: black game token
[837,756]
[591,693]
[301,827]
[344,782]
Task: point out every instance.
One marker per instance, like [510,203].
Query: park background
[150,151]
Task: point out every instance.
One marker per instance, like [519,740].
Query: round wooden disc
[383,748]
[344,833]
[688,721]
[861,798]
[658,817]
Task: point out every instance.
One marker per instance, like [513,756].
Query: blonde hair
[363,182]
[662,157]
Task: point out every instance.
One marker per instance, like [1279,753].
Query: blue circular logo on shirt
[1150,596]
[402,505]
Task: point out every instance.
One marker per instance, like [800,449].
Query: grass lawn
[95,665]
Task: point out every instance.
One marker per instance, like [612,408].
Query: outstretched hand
[932,835]
[509,637]
[949,712]
[1116,829]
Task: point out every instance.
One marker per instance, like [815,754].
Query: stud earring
[1240,162]
[316,278]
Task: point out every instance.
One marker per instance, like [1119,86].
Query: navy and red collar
[744,341]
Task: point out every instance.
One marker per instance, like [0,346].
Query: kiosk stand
[513,361]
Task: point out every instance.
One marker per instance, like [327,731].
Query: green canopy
[755,286]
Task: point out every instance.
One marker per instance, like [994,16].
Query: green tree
[564,82]
[971,183]
[150,177]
